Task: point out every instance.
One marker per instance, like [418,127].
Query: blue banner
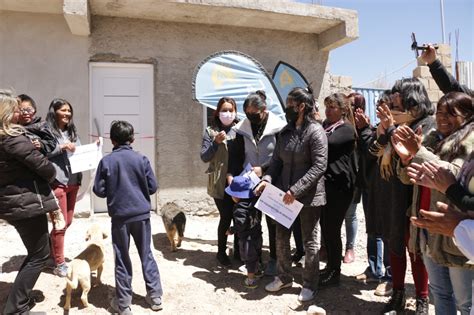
[287,77]
[234,74]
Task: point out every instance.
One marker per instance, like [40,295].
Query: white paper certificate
[86,157]
[271,203]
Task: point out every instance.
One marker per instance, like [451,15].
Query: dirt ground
[192,281]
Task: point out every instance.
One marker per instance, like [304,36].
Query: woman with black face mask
[297,167]
[254,145]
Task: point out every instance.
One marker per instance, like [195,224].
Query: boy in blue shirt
[126,179]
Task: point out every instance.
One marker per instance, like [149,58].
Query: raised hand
[406,142]
[429,54]
[385,116]
[361,119]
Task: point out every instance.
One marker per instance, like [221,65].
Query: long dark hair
[305,96]
[56,104]
[414,97]
[457,103]
[216,122]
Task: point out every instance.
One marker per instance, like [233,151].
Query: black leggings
[332,216]
[34,235]
[226,208]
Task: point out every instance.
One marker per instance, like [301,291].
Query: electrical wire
[386,75]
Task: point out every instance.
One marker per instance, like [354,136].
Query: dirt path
[192,281]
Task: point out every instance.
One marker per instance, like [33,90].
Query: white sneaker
[276,285]
[306,295]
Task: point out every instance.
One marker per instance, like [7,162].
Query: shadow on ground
[99,296]
[13,263]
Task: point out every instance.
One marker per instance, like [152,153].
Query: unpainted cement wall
[40,57]
[176,49]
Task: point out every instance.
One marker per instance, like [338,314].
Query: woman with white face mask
[215,151]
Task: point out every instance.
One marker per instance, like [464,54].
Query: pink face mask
[227,118]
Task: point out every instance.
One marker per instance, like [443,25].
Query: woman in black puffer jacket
[25,197]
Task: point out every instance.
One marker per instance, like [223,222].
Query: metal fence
[371,96]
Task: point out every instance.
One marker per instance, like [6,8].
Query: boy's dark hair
[26,98]
[121,132]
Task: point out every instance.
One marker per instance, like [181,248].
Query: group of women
[315,163]
[34,165]
[311,162]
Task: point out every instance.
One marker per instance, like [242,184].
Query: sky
[385,28]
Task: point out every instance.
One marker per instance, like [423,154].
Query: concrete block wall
[422,72]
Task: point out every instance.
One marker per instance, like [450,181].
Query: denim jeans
[351,225]
[378,256]
[450,287]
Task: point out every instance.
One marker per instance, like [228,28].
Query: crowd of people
[413,173]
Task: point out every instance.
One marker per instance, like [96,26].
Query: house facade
[134,60]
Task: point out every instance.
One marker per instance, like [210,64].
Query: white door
[121,91]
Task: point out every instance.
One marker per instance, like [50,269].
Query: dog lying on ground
[174,220]
[80,268]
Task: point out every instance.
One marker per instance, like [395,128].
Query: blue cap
[241,187]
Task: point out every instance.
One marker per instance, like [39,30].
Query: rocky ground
[192,280]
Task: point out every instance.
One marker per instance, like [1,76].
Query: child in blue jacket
[247,225]
[126,179]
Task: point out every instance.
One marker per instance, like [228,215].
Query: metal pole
[442,21]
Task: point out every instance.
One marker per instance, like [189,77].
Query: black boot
[328,279]
[422,306]
[396,303]
[223,259]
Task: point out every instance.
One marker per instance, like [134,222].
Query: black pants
[271,225]
[332,216]
[141,233]
[35,237]
[226,208]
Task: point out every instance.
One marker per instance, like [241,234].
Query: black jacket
[39,130]
[445,81]
[24,177]
[299,162]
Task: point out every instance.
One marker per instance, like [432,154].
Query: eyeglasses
[27,111]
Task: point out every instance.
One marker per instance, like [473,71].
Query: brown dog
[174,220]
[80,268]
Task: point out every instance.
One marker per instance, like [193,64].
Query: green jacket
[217,169]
